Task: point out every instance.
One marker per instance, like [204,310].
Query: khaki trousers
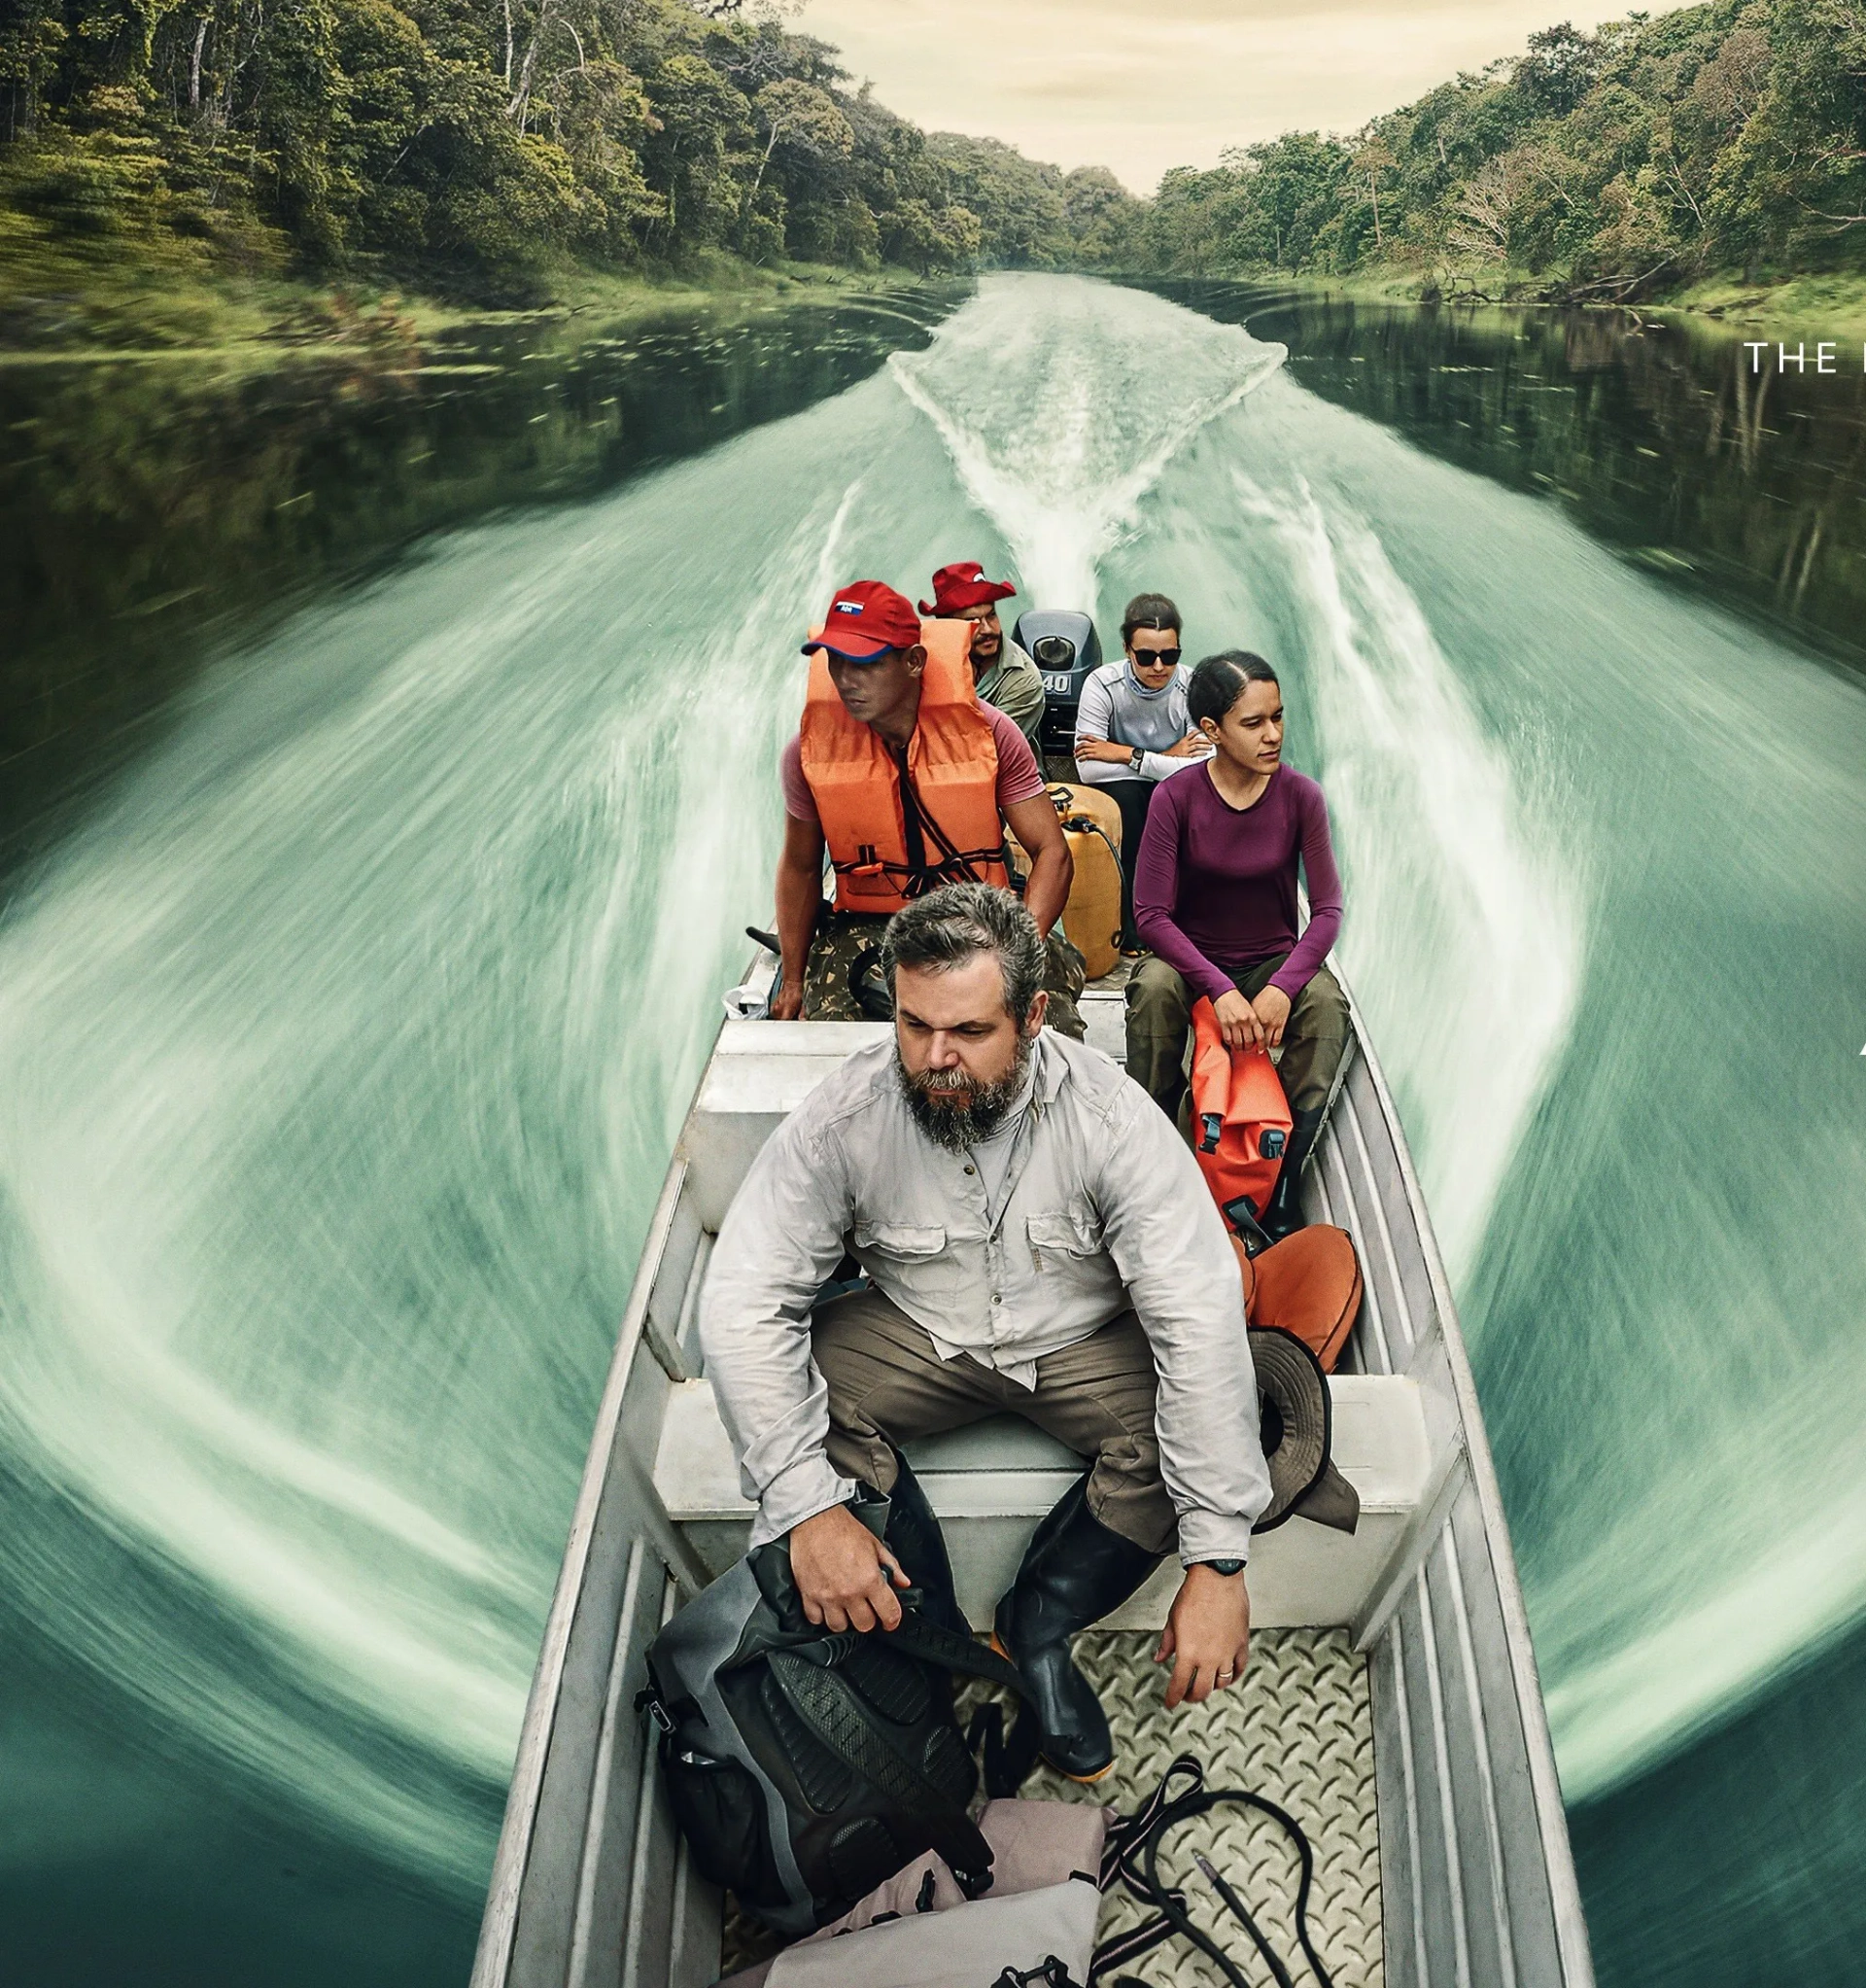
[888,1386]
[1160,1017]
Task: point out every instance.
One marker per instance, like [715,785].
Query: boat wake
[1466,938]
[340,1063]
[1060,422]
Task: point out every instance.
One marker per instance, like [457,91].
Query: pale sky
[1144,85]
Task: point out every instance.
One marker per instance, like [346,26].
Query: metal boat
[1392,1701]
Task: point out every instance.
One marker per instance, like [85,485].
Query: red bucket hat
[963,586]
[866,618]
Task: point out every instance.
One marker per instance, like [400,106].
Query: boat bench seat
[992,1483]
[759,1074]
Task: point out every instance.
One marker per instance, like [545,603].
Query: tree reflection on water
[1655,435]
[151,512]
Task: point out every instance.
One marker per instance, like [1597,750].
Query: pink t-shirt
[1019,777]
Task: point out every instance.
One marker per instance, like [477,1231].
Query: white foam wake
[1060,405]
[1617,1714]
[1464,938]
[335,1073]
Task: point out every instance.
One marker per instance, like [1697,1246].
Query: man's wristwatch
[1135,758]
[1225,1567]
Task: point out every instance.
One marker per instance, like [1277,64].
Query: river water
[345,1035]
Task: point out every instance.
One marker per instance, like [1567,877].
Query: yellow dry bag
[1091,827]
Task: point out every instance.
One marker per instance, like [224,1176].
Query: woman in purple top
[1215,901]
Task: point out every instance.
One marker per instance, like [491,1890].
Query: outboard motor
[1064,647]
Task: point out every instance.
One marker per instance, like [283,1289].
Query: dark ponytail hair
[1218,683]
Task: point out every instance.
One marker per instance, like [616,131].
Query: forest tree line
[475,144]
[1603,166]
[471,142]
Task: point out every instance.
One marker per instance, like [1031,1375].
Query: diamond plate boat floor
[1299,1731]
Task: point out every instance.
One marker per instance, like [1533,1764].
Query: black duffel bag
[804,1766]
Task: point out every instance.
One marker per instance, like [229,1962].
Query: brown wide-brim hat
[1294,1412]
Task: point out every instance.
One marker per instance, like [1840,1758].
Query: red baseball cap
[963,584]
[866,618]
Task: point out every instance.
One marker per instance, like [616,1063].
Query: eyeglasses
[1156,658]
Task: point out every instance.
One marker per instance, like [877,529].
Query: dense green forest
[478,148]
[1603,166]
[474,145]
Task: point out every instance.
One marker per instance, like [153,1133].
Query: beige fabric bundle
[1035,1846]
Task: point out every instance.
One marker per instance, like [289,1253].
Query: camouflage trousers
[843,936]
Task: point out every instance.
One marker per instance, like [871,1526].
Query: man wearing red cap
[1006,677]
[906,782]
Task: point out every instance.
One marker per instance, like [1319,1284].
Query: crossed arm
[1094,746]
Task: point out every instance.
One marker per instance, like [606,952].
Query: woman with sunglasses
[1133,730]
[1215,889]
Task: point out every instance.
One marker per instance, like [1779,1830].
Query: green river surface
[389,776]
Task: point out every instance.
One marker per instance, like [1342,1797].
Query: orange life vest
[899,825]
[1240,1119]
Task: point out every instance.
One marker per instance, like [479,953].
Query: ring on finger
[1225,1677]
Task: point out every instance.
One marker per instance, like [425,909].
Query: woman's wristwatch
[1224,1567]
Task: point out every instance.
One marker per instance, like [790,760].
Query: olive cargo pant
[841,935]
[1160,1015]
[887,1385]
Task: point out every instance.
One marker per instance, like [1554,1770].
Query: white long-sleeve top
[1113,706]
[1100,1206]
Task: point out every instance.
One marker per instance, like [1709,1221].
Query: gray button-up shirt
[1104,1208]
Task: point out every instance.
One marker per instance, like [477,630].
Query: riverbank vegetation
[166,165]
[180,172]
[1715,150]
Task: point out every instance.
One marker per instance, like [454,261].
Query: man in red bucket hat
[1005,676]
[905,781]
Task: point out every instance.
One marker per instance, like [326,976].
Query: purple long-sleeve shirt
[1214,886]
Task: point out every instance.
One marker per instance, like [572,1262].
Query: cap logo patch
[848,606]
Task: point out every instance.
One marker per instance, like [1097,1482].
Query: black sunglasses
[1155,658]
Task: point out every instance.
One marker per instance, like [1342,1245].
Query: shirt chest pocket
[1064,1240]
[903,1242]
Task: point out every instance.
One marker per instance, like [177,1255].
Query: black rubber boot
[914,1535]
[1074,1573]
[1283,1216]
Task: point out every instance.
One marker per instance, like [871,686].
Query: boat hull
[1476,1881]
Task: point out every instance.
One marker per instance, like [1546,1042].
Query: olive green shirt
[1014,685]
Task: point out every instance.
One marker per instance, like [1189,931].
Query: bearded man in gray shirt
[1037,1238]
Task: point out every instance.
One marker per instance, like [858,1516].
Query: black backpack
[805,1768]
